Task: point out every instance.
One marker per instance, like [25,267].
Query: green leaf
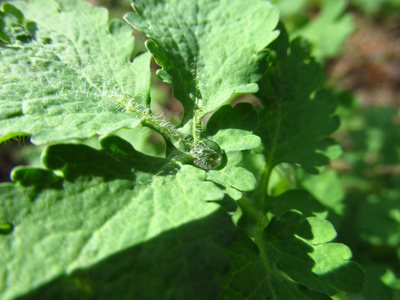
[13,26]
[378,219]
[326,188]
[297,114]
[289,8]
[232,127]
[294,200]
[248,278]
[102,230]
[329,23]
[74,79]
[303,252]
[115,223]
[207,48]
[234,179]
[293,258]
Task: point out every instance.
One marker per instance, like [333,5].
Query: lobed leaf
[303,252]
[297,113]
[249,279]
[208,53]
[103,230]
[234,179]
[232,127]
[116,223]
[293,258]
[73,79]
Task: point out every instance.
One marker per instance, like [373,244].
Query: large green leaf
[73,78]
[249,279]
[292,257]
[209,50]
[297,113]
[102,230]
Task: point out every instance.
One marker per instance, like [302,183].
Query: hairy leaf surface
[73,78]
[77,224]
[205,221]
[208,53]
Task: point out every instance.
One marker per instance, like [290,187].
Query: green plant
[380,8]
[370,224]
[220,215]
[331,21]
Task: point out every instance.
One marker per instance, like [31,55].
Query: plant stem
[263,187]
[256,230]
[169,131]
[197,129]
[259,240]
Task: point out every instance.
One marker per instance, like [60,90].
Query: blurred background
[358,42]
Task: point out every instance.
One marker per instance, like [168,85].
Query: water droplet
[6,228]
[206,154]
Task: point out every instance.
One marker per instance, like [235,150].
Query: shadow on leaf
[179,264]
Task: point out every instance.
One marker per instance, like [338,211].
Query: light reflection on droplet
[206,154]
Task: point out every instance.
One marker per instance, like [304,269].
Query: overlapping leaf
[209,50]
[234,179]
[119,224]
[232,127]
[101,212]
[325,188]
[73,77]
[297,114]
[249,279]
[293,258]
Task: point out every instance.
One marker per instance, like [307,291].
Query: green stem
[253,211]
[169,131]
[197,129]
[259,240]
[263,187]
[259,221]
[162,126]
